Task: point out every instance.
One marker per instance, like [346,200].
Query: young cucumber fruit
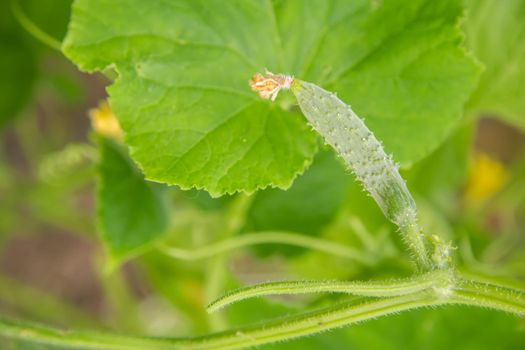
[342,129]
[356,144]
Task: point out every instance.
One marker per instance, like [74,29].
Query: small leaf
[182,95]
[130,211]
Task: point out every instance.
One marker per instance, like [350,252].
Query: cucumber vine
[437,283]
[181,128]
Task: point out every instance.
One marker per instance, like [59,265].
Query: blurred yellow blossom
[104,122]
[487,175]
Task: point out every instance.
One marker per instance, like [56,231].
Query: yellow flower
[104,122]
[487,175]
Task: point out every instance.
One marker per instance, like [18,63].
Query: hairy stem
[368,289]
[287,328]
[463,293]
[268,237]
[415,239]
[483,294]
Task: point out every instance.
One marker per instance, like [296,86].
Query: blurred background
[52,264]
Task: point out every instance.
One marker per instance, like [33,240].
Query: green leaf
[308,206]
[440,176]
[130,211]
[202,200]
[17,67]
[21,50]
[496,33]
[18,70]
[404,70]
[182,95]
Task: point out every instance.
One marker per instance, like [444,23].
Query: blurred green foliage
[136,216]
